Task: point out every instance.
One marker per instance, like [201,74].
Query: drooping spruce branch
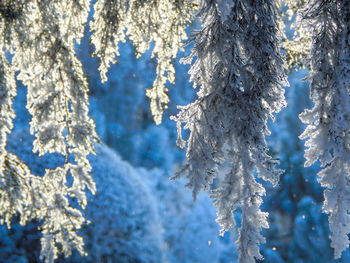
[161,22]
[15,179]
[239,72]
[328,121]
[44,54]
[7,93]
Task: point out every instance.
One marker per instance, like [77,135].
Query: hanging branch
[161,22]
[328,121]
[239,72]
[58,102]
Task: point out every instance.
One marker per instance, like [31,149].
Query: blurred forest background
[138,215]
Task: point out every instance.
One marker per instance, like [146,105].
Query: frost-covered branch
[239,72]
[43,45]
[161,22]
[7,93]
[328,121]
[15,178]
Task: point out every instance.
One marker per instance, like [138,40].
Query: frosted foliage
[328,121]
[42,36]
[15,185]
[124,223]
[14,175]
[7,92]
[161,22]
[16,182]
[298,48]
[239,72]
